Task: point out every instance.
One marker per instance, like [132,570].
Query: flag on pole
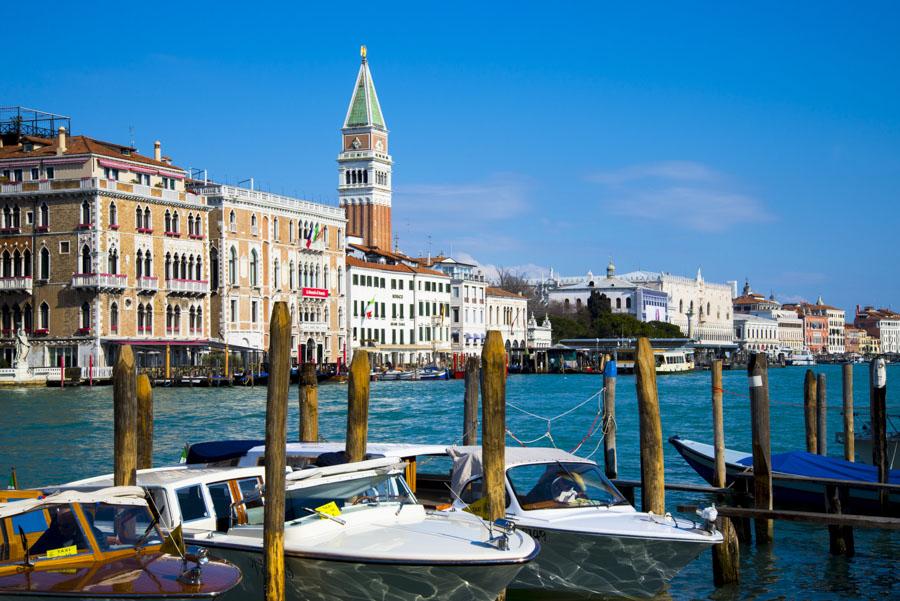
[367,311]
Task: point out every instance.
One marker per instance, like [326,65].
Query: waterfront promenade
[52,436]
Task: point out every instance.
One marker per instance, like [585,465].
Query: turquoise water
[54,436]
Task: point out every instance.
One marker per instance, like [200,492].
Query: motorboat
[592,540]
[674,361]
[794,494]
[433,372]
[863,442]
[803,357]
[100,544]
[353,531]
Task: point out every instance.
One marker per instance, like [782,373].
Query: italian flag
[312,236]
[368,310]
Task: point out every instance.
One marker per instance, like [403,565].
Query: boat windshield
[121,526]
[41,534]
[562,486]
[312,501]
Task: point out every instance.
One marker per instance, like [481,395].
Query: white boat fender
[710,515]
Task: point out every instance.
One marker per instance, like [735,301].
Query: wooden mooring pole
[276,441]
[758,375]
[821,416]
[470,402]
[309,403]
[840,538]
[849,434]
[611,462]
[809,410]
[653,491]
[718,424]
[358,406]
[144,422]
[878,415]
[726,557]
[125,419]
[493,423]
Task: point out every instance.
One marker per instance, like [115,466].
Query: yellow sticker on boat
[62,552]
[329,509]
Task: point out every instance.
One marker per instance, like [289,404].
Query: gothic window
[168,266]
[85,213]
[177,323]
[185,274]
[628,303]
[275,275]
[148,224]
[198,227]
[175,222]
[114,317]
[190,224]
[214,268]
[176,267]
[85,259]
[113,214]
[275,228]
[45,263]
[28,320]
[85,316]
[140,318]
[148,264]
[189,274]
[139,217]
[44,321]
[167,218]
[26,263]
[17,263]
[112,261]
[200,320]
[232,221]
[681,306]
[232,266]
[192,319]
[291,276]
[45,215]
[169,318]
[254,264]
[148,319]
[253,228]
[139,264]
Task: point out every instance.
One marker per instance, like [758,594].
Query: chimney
[157,151]
[61,146]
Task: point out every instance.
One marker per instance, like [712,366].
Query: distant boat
[803,357]
[790,493]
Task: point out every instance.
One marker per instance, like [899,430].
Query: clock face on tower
[379,145]
[355,143]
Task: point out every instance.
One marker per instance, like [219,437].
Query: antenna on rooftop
[131,134]
[249,179]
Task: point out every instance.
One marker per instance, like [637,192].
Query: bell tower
[364,165]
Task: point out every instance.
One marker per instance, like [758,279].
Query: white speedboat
[352,532]
[803,357]
[592,540]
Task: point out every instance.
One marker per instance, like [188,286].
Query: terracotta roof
[491,291]
[750,299]
[374,250]
[76,145]
[401,267]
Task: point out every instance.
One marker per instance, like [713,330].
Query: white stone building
[882,327]
[756,333]
[539,336]
[701,309]
[508,313]
[467,303]
[398,311]
[642,302]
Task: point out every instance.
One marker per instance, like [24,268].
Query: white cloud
[492,271]
[682,193]
[502,197]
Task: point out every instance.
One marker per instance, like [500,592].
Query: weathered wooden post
[849,434]
[726,557]
[493,423]
[470,402]
[125,419]
[758,375]
[358,406]
[878,415]
[309,403]
[840,538]
[821,416]
[718,424]
[168,362]
[144,422]
[276,441]
[611,461]
[653,491]
[809,410]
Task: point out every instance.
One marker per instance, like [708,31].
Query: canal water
[54,436]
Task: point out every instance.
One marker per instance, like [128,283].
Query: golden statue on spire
[362,52]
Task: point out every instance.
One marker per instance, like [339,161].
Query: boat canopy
[114,495]
[467,461]
[383,464]
[810,465]
[220,450]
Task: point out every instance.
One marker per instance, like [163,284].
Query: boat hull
[598,564]
[314,579]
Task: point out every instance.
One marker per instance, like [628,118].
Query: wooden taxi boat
[103,544]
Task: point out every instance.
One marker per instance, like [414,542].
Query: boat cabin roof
[178,474]
[467,462]
[117,495]
[256,454]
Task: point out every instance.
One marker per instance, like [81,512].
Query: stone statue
[23,349]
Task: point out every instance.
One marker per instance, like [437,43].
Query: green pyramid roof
[364,108]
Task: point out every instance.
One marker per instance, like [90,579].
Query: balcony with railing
[147,285]
[100,281]
[16,284]
[187,287]
[95,183]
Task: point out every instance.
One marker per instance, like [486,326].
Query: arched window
[112,261]
[17,263]
[175,222]
[214,268]
[113,215]
[198,227]
[85,259]
[681,306]
[253,228]
[232,221]
[85,213]
[176,267]
[28,319]
[139,217]
[232,266]
[192,316]
[325,283]
[185,274]
[707,309]
[45,263]
[45,216]
[148,264]
[198,269]
[291,275]
[169,319]
[85,316]
[177,323]
[275,274]
[139,264]
[114,317]
[291,231]
[148,224]
[200,320]
[44,321]
[190,221]
[275,228]
[140,318]
[254,265]
[26,263]
[168,266]
[628,303]
[148,319]
[619,303]
[347,176]
[167,220]
[189,274]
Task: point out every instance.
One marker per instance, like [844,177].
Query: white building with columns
[508,313]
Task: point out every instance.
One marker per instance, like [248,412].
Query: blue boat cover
[220,450]
[801,463]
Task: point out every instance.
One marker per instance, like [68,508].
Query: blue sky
[753,140]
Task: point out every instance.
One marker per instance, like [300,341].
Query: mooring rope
[548,421]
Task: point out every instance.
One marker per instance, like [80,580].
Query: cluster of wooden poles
[133,417]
